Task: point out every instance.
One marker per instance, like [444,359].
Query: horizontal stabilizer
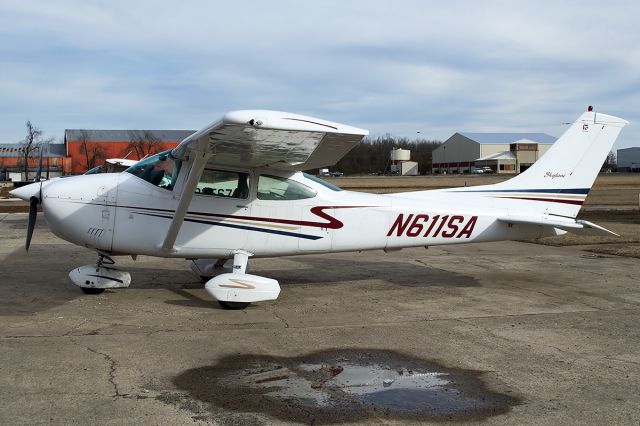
[593,229]
[581,227]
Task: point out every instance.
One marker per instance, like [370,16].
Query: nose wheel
[91,290]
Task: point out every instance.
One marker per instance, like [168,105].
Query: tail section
[559,182]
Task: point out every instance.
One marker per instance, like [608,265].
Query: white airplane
[235,191]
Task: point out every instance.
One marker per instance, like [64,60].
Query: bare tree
[143,144]
[30,145]
[93,153]
[373,154]
[611,161]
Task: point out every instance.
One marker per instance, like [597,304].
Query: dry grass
[631,250]
[387,184]
[4,190]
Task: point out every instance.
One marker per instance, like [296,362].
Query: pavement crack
[113,365]
[284,321]
[552,296]
[75,327]
[623,360]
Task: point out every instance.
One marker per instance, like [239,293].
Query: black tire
[233,305]
[91,290]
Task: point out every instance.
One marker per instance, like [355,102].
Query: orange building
[84,149]
[54,160]
[89,148]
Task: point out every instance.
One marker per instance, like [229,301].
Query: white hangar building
[502,152]
[628,159]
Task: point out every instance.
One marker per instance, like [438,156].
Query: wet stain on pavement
[339,386]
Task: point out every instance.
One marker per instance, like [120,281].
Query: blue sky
[397,67]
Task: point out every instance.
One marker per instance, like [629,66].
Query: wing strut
[199,163]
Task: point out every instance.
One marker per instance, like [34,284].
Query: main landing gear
[237,289]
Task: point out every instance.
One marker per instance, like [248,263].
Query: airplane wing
[259,138]
[581,227]
[279,140]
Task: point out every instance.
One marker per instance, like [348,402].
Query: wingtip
[285,120]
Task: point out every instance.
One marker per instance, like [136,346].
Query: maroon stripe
[332,223]
[312,122]
[550,200]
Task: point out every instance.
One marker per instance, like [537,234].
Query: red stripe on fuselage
[549,200]
[332,223]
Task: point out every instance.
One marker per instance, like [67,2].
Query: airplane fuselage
[123,214]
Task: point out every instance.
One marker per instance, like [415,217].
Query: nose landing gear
[94,279]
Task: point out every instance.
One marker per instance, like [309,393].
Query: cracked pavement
[556,328]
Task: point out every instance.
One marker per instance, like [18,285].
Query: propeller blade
[33,213]
[39,171]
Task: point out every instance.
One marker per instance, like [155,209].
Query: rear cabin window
[221,183]
[322,182]
[279,188]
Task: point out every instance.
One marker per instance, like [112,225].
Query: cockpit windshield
[160,170]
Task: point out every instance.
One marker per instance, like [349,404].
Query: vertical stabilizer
[561,179]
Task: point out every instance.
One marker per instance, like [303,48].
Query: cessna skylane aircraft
[235,190]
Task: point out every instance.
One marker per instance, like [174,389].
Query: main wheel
[91,290]
[233,305]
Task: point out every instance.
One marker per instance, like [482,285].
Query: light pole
[444,149]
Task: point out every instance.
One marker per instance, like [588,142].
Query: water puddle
[344,385]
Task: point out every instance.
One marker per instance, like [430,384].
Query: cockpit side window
[279,188]
[160,170]
[222,183]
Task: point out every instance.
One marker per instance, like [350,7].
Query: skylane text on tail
[236,190]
